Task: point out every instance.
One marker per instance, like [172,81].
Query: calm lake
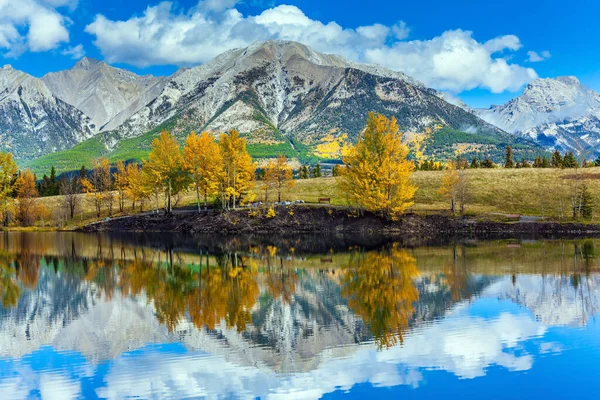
[99,316]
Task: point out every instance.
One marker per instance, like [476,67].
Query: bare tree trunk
[198,197]
[169,201]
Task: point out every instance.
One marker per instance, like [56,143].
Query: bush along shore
[331,220]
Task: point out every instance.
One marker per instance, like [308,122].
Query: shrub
[271,213]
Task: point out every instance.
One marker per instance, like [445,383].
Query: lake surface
[96,316]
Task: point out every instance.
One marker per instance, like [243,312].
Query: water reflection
[112,317]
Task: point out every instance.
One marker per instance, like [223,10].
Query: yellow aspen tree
[279,175]
[98,185]
[377,175]
[450,181]
[202,159]
[135,190]
[8,172]
[238,170]
[269,179]
[152,182]
[455,185]
[165,162]
[26,195]
[121,181]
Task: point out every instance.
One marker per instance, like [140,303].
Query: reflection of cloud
[23,381]
[463,345]
[58,387]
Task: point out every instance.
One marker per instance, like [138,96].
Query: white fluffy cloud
[165,35]
[75,52]
[534,56]
[455,61]
[33,25]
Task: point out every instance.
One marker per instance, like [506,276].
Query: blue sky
[429,39]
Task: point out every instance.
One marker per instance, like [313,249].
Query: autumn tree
[377,176]
[8,173]
[120,183]
[279,176]
[203,160]
[238,175]
[455,187]
[166,163]
[69,189]
[99,184]
[136,190]
[27,194]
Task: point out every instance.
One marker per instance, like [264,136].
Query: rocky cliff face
[101,91]
[33,121]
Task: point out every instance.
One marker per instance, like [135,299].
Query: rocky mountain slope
[278,91]
[33,121]
[559,113]
[283,96]
[101,91]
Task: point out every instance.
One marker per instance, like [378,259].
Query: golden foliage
[377,176]
[8,171]
[279,176]
[165,163]
[237,179]
[202,159]
[380,289]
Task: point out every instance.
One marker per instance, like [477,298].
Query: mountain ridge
[284,97]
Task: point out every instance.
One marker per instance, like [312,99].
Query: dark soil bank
[291,220]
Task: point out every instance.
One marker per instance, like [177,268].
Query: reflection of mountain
[252,309]
[553,300]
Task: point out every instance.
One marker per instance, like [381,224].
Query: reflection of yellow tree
[242,294]
[10,291]
[379,287]
[456,276]
[282,284]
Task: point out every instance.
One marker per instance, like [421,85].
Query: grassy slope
[441,147]
[501,191]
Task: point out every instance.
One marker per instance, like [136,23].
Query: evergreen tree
[525,163]
[537,163]
[586,209]
[569,160]
[53,183]
[304,172]
[83,173]
[487,163]
[337,170]
[475,162]
[316,172]
[545,162]
[597,162]
[509,163]
[557,160]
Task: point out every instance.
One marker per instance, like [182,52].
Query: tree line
[376,176]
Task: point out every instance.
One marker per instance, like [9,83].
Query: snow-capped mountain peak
[558,112]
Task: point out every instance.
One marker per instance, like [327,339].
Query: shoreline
[330,220]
